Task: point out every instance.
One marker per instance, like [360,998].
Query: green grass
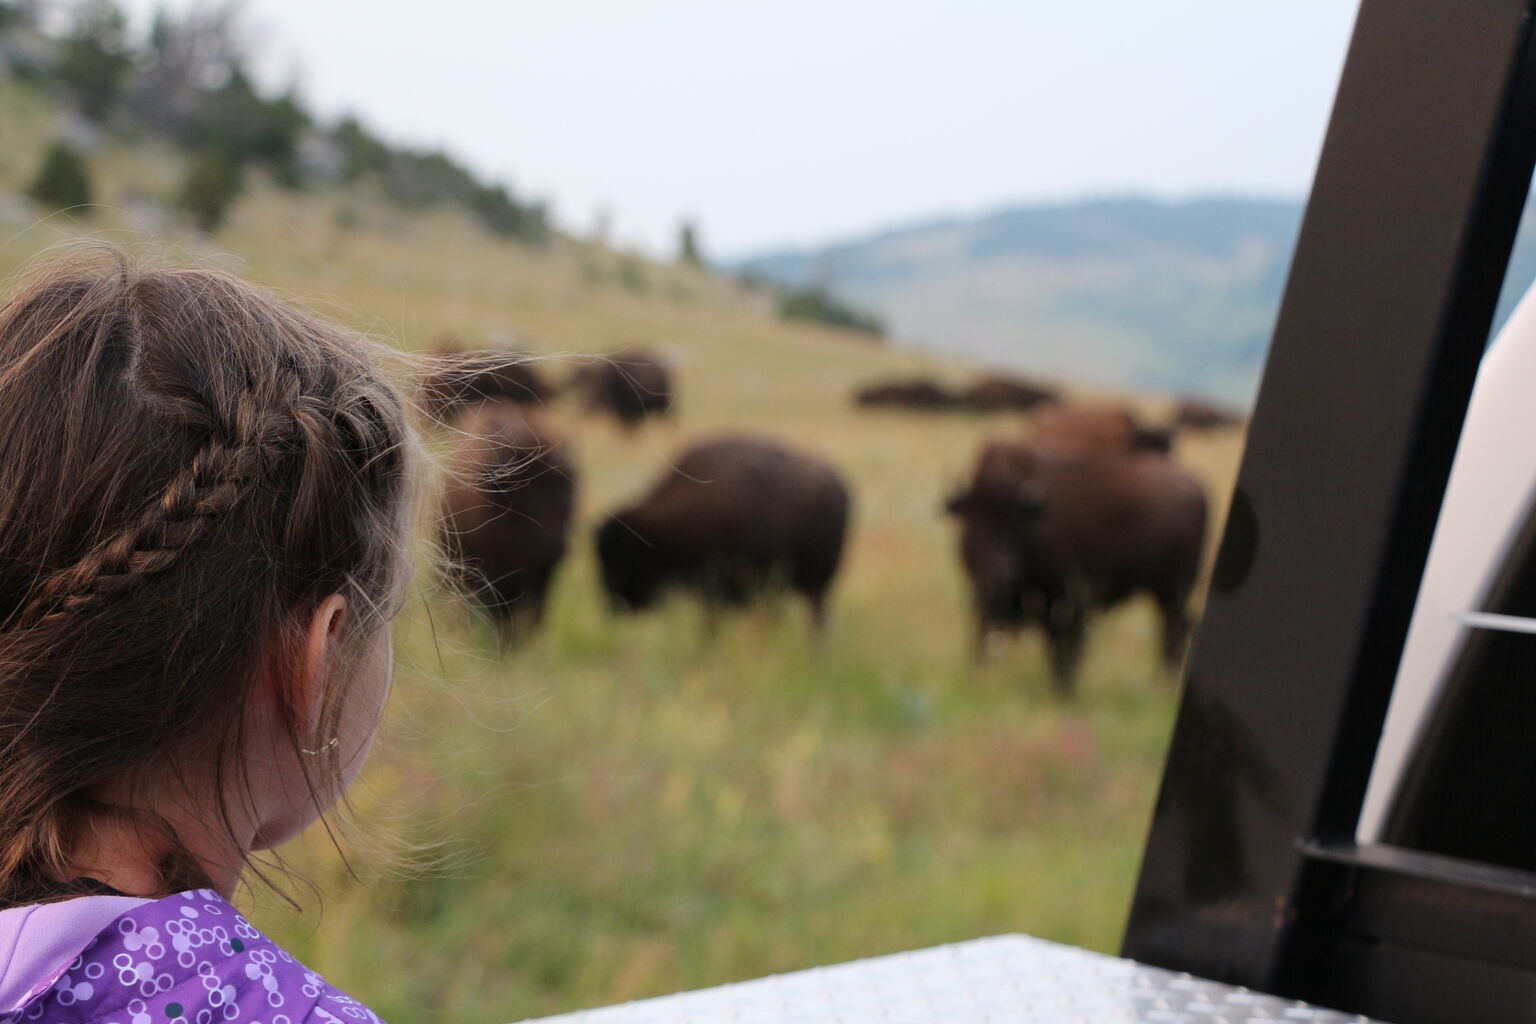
[644,805]
[630,806]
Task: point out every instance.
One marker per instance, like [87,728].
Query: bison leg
[507,627]
[525,612]
[516,602]
[1176,627]
[1065,628]
[817,599]
[1001,610]
[811,574]
[987,628]
[511,621]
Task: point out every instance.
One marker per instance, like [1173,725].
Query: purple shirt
[190,958]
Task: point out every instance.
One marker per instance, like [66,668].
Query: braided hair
[188,466]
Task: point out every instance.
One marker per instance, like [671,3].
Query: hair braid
[209,486]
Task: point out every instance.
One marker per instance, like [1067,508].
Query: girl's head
[202,507]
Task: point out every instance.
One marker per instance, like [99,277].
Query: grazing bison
[629,385]
[1194,414]
[506,510]
[1097,428]
[918,393]
[457,380]
[1049,533]
[730,519]
[1000,393]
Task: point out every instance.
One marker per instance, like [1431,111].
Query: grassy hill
[1132,293]
[626,807]
[1135,294]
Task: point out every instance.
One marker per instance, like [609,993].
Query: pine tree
[688,246]
[94,58]
[213,182]
[62,182]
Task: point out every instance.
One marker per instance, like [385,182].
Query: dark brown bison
[1049,533]
[1000,393]
[732,518]
[456,380]
[506,511]
[917,393]
[1098,428]
[629,385]
[1195,414]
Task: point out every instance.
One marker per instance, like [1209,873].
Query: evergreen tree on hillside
[361,152]
[185,82]
[94,58]
[212,184]
[62,183]
[185,56]
[499,212]
[688,245]
[237,121]
[423,177]
[818,305]
[21,12]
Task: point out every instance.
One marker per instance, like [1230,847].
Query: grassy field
[626,807]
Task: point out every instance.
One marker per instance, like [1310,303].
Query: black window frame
[1251,873]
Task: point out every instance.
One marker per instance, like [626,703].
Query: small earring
[328,745]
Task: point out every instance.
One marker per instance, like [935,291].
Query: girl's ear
[320,641]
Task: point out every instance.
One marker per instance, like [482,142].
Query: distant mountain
[1135,293]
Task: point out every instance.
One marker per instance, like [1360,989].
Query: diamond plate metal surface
[1010,978]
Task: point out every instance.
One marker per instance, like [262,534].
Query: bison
[917,393]
[1000,393]
[731,519]
[629,385]
[1195,414]
[1050,533]
[457,380]
[506,512]
[1099,428]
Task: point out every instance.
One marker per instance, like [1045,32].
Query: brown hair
[187,468]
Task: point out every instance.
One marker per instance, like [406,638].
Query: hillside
[627,806]
[1131,293]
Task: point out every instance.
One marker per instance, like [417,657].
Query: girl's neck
[150,856]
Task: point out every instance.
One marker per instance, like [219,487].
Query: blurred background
[865,241]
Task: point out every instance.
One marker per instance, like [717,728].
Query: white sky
[796,121]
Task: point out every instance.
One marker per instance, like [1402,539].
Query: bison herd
[1083,511]
[988,393]
[995,392]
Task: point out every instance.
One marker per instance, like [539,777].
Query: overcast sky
[796,121]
